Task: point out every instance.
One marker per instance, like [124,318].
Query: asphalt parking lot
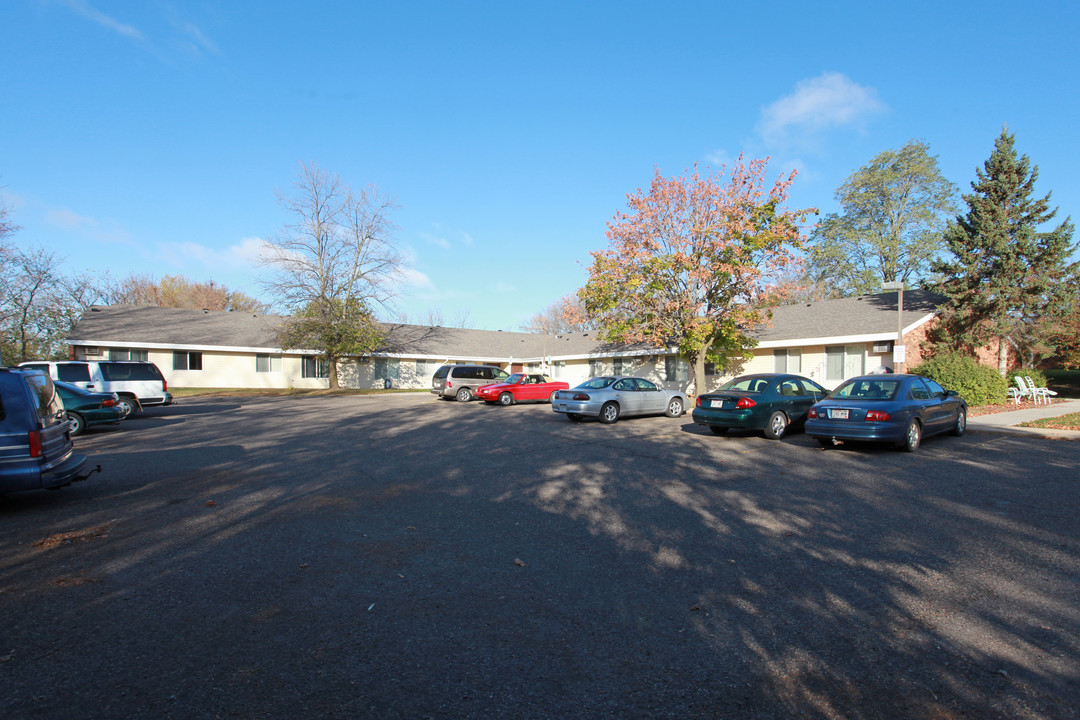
[401,557]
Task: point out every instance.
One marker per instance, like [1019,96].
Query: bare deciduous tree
[565,315]
[332,266]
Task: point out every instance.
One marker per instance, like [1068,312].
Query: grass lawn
[1062,422]
[1065,382]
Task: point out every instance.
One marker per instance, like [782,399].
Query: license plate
[716,403]
[838,414]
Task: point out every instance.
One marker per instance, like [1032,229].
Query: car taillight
[698,401]
[164,385]
[581,396]
[449,384]
[876,416]
[35,443]
[812,413]
[108,402]
[745,403]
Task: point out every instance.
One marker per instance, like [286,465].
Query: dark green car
[770,402]
[86,409]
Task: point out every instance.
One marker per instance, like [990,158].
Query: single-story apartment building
[828,341]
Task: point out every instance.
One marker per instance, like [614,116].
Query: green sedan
[770,402]
[86,409]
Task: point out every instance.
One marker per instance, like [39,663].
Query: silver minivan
[460,381]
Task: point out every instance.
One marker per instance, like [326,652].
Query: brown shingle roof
[183,328]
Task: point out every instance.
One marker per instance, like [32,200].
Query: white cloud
[242,256]
[718,158]
[504,288]
[828,101]
[413,278]
[198,40]
[435,240]
[82,7]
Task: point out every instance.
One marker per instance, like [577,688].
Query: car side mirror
[951,393]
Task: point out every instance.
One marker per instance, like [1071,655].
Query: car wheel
[674,408]
[77,423]
[551,397]
[506,399]
[463,395]
[912,436]
[609,413]
[961,423]
[128,407]
[717,430]
[777,425]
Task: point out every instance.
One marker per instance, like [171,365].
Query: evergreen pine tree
[1003,275]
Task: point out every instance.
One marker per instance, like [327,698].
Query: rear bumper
[571,407]
[746,419]
[856,430]
[71,469]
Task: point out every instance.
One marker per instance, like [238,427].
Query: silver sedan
[611,397]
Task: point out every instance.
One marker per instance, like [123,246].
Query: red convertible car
[521,387]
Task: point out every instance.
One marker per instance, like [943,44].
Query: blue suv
[35,436]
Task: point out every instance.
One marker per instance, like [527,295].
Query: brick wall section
[918,348]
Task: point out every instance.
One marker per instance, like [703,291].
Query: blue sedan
[897,409]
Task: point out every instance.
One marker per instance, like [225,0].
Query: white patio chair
[1043,392]
[1021,391]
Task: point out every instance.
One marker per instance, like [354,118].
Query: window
[267,363]
[426,368]
[187,361]
[843,361]
[710,368]
[314,367]
[73,372]
[387,369]
[596,368]
[126,354]
[676,369]
[787,361]
[558,368]
[622,365]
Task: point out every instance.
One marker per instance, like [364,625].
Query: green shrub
[978,384]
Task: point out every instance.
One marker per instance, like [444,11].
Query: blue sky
[151,136]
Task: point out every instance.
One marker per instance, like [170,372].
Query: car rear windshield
[596,383]
[49,405]
[130,371]
[75,372]
[867,390]
[442,372]
[747,384]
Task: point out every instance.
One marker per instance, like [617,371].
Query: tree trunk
[332,365]
[699,375]
[1003,356]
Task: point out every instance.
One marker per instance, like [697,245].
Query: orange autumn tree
[696,263]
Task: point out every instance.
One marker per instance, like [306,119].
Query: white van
[136,384]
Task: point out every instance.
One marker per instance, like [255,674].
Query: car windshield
[866,389]
[747,384]
[516,377]
[596,383]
